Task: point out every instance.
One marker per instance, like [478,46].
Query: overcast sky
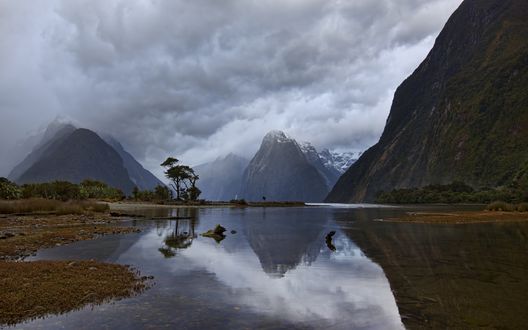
[201,78]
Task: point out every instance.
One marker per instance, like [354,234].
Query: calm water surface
[274,271]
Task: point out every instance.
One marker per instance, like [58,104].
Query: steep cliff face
[462,115]
[281,172]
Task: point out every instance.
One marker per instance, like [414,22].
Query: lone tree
[183,179]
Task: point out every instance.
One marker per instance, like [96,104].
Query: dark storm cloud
[202,78]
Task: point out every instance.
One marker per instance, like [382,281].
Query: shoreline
[459,217]
[36,289]
[129,205]
[22,235]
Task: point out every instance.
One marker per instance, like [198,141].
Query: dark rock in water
[233,232]
[219,230]
[328,239]
[167,253]
[217,233]
[127,215]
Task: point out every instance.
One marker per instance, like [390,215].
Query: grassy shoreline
[22,236]
[36,289]
[460,217]
[40,288]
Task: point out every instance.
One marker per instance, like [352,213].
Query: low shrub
[238,201]
[95,207]
[501,206]
[522,207]
[69,208]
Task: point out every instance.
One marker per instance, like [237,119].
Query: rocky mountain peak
[276,136]
[280,171]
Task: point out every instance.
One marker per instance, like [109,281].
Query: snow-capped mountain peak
[341,161]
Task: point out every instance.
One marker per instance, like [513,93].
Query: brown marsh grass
[40,205]
[35,289]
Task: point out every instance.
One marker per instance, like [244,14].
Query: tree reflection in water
[181,233]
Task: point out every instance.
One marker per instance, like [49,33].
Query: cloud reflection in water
[342,288]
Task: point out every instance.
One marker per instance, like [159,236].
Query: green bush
[9,190]
[64,191]
[159,194]
[99,190]
[59,190]
[453,193]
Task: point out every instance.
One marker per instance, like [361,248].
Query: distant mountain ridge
[461,116]
[71,154]
[78,156]
[231,177]
[221,179]
[330,164]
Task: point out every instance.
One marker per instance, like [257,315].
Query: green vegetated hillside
[462,115]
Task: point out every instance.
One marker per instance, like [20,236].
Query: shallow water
[277,272]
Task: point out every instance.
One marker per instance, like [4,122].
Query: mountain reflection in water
[276,271]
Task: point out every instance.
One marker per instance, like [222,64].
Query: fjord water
[276,271]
